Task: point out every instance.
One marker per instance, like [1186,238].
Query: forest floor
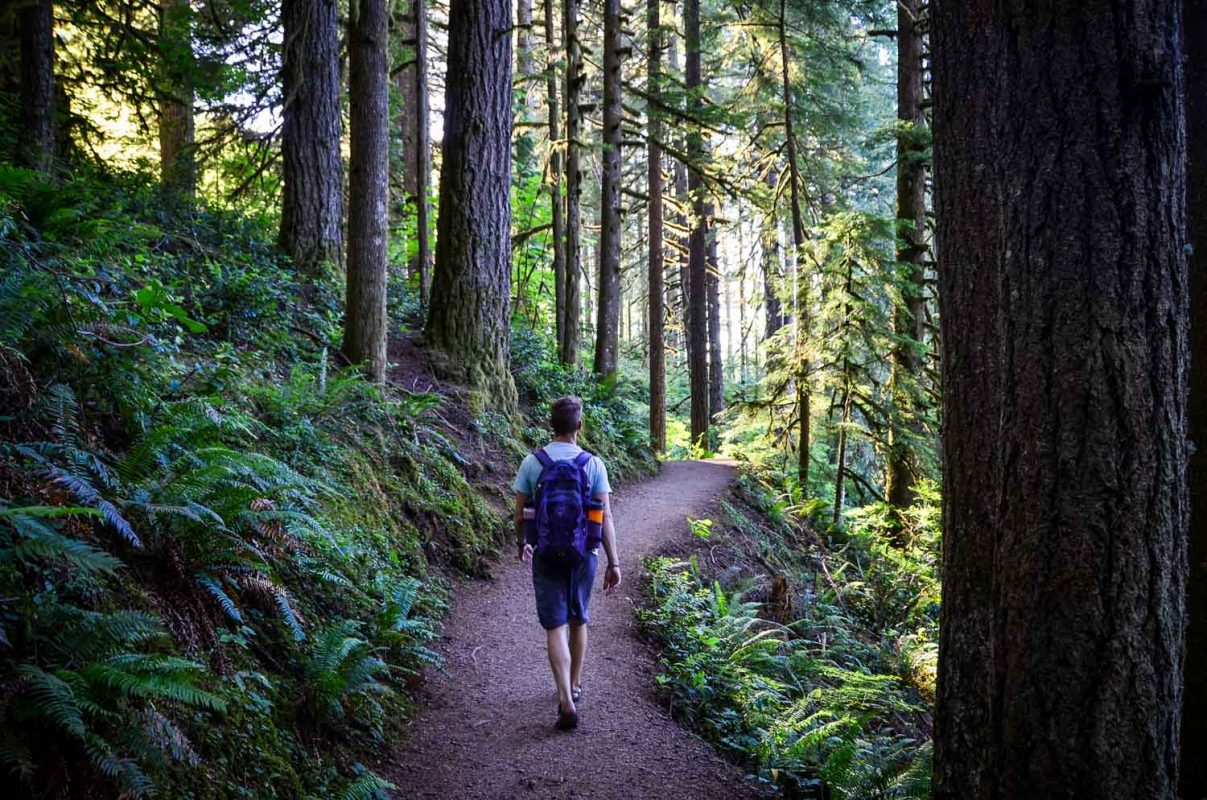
[485,729]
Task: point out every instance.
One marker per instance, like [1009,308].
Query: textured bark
[1194,714]
[177,156]
[36,27]
[368,187]
[697,321]
[313,207]
[1059,171]
[470,316]
[657,310]
[902,469]
[798,242]
[716,364]
[607,325]
[568,347]
[557,208]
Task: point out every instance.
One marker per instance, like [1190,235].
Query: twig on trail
[473,654]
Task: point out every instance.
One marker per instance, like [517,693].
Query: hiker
[562,515]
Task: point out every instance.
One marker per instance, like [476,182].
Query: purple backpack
[563,493]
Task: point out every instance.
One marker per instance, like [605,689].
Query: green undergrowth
[809,659]
[221,556]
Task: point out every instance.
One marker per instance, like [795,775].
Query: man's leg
[578,651]
[559,662]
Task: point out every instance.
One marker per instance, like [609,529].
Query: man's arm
[612,575]
[523,549]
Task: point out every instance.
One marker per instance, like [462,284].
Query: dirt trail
[486,730]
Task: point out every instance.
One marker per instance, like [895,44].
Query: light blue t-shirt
[530,470]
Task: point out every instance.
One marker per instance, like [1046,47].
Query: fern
[366,787]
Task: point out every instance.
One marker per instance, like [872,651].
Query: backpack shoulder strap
[582,458]
[543,457]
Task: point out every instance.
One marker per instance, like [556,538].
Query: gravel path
[486,727]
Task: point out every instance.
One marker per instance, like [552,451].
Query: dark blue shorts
[563,593]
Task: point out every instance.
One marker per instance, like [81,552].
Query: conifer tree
[1060,178]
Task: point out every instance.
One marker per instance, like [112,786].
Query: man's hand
[524,553]
[611,579]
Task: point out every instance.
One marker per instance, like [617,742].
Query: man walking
[563,515]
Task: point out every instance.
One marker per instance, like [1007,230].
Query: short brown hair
[566,415]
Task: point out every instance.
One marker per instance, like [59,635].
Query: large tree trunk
[36,28]
[470,317]
[803,406]
[716,365]
[607,326]
[697,239]
[1060,179]
[908,317]
[1194,714]
[568,347]
[177,156]
[557,220]
[657,311]
[368,187]
[313,207]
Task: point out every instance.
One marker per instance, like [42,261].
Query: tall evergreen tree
[803,406]
[313,207]
[568,346]
[908,315]
[1194,714]
[556,206]
[35,24]
[607,327]
[469,315]
[697,318]
[416,140]
[1060,180]
[716,365]
[657,310]
[368,187]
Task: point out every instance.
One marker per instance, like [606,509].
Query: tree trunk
[697,239]
[313,206]
[423,156]
[772,307]
[844,424]
[607,326]
[908,317]
[1059,168]
[1194,714]
[36,26]
[657,311]
[568,349]
[716,365]
[177,156]
[525,68]
[368,187]
[798,242]
[469,319]
[555,178]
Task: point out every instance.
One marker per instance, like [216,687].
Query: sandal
[576,693]
[565,720]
